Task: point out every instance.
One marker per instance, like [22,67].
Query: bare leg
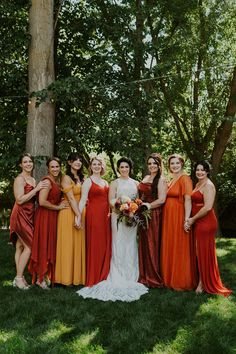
[23,260]
[19,250]
[199,288]
[22,255]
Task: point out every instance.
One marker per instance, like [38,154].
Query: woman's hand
[147,205]
[77,224]
[63,205]
[188,223]
[41,185]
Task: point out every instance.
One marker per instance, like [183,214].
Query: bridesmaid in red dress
[22,217]
[43,256]
[204,224]
[98,229]
[152,190]
[178,254]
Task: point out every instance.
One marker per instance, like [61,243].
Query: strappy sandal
[19,283]
[43,285]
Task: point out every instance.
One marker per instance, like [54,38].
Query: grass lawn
[163,321]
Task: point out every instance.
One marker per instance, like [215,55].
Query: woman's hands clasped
[187,224]
[78,222]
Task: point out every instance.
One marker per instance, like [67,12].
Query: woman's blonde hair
[102,162]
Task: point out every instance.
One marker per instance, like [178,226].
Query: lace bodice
[126,187]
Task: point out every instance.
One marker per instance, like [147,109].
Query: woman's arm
[112,193]
[18,188]
[66,183]
[43,195]
[162,192]
[84,194]
[209,193]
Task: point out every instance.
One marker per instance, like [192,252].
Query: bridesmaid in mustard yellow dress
[70,258]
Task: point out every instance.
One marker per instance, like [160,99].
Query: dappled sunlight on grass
[222,308]
[55,331]
[12,342]
[7,283]
[4,336]
[177,345]
[223,252]
[83,344]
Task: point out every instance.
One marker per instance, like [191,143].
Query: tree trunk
[224,131]
[41,120]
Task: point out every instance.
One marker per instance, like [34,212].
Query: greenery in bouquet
[132,212]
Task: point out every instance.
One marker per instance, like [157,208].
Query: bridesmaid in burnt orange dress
[178,256]
[152,190]
[22,217]
[98,229]
[204,224]
[43,256]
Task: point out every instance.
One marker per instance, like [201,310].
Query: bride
[121,283]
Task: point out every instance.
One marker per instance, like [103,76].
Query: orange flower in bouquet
[132,212]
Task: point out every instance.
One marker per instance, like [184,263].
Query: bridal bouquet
[132,212]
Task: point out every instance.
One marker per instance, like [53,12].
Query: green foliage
[132,77]
[13,87]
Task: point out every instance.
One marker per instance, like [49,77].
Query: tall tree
[41,120]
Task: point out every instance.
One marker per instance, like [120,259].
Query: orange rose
[124,207]
[133,207]
[138,201]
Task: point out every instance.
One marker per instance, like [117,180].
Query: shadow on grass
[163,321]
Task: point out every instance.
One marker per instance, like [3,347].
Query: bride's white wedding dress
[121,283]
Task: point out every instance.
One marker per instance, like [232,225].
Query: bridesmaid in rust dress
[204,224]
[152,189]
[43,256]
[22,217]
[178,256]
[98,228]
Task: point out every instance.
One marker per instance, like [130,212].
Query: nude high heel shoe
[19,283]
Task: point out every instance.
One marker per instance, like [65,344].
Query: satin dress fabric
[70,258]
[122,281]
[98,234]
[204,231]
[22,220]
[43,255]
[149,243]
[178,251]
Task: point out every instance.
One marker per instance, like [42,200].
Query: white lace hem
[106,291]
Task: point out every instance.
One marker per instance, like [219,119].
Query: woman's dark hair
[128,161]
[58,161]
[25,154]
[53,159]
[71,158]
[158,160]
[206,166]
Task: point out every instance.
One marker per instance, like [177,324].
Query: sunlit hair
[206,166]
[157,158]
[25,154]
[102,162]
[71,158]
[126,160]
[176,156]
